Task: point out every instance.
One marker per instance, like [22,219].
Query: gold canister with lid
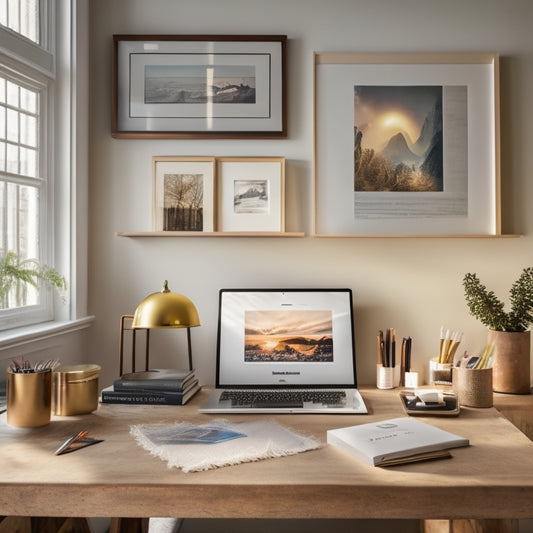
[75,389]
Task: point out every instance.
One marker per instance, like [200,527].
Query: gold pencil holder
[75,389]
[29,397]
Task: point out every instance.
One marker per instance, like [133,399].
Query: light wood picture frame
[199,86]
[183,194]
[378,173]
[251,194]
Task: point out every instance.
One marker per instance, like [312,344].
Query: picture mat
[207,168]
[230,171]
[334,195]
[234,371]
[206,111]
[141,117]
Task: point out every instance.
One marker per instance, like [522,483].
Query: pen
[387,347]
[392,348]
[403,362]
[381,349]
[408,354]
[70,441]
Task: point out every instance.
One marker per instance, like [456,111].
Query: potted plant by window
[508,330]
[18,274]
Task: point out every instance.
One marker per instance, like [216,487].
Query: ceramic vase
[511,362]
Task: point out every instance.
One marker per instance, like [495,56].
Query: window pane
[2,157]
[19,211]
[3,193]
[19,205]
[3,12]
[12,94]
[13,15]
[12,126]
[28,215]
[2,88]
[12,164]
[22,16]
[28,130]
[2,122]
[28,100]
[28,162]
[29,19]
[19,126]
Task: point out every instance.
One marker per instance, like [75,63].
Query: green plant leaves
[489,309]
[20,274]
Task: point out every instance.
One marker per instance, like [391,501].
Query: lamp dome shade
[165,309]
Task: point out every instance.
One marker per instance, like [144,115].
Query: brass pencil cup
[29,398]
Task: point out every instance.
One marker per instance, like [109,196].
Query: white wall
[413,285]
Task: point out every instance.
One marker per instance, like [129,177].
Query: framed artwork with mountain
[199,86]
[406,144]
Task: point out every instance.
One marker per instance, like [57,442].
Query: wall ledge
[38,332]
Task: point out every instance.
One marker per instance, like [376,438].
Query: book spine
[170,385]
[144,398]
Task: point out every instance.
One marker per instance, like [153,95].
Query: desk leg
[129,525]
[469,526]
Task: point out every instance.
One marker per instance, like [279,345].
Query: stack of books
[153,387]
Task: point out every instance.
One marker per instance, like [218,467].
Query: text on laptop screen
[289,337]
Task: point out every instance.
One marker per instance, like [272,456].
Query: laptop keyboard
[284,398]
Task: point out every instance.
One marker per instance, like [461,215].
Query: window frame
[34,65]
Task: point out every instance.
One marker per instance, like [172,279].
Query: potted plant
[508,329]
[18,274]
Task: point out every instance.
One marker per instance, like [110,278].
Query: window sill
[20,336]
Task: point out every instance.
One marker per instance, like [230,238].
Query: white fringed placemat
[263,439]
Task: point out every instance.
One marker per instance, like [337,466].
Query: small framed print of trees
[183,194]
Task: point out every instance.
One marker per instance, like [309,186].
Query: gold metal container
[75,389]
[29,398]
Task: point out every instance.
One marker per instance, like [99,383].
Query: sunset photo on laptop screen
[288,336]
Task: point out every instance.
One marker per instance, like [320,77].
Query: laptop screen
[289,337]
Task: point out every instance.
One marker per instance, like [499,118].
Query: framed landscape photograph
[183,194]
[251,194]
[406,144]
[196,86]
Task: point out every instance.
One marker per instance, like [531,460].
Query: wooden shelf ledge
[417,236]
[209,234]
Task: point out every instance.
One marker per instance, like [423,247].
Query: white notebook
[394,441]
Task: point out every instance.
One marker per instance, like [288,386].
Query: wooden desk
[491,479]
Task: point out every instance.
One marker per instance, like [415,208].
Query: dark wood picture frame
[165,86]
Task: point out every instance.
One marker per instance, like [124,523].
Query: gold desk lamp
[164,309]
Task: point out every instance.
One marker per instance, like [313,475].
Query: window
[26,118]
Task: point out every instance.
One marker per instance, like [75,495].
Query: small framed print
[183,194]
[251,194]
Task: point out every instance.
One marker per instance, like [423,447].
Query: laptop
[285,351]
